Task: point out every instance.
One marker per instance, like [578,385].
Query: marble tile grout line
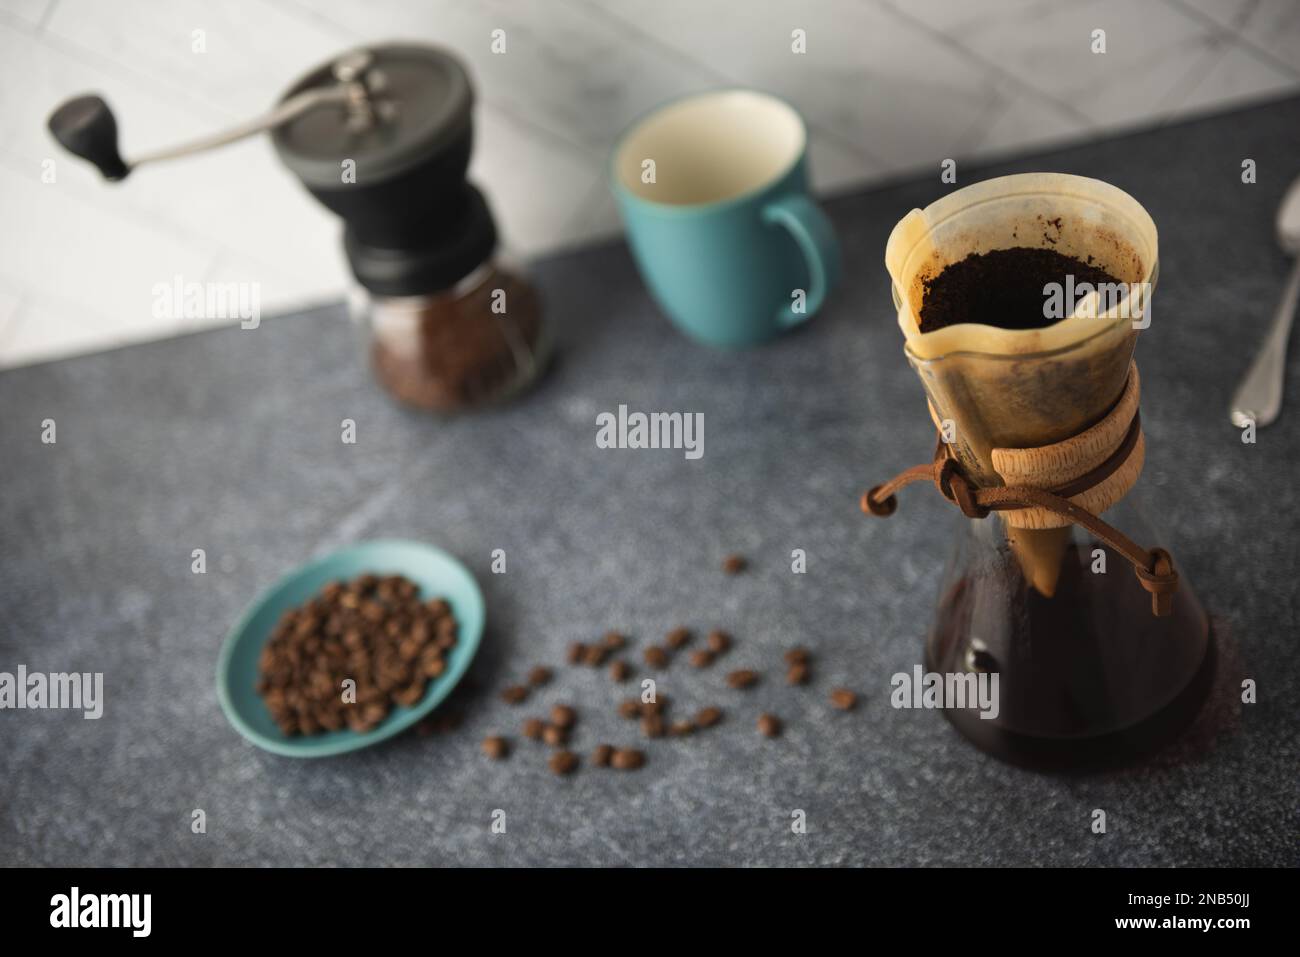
[827,133]
[1236,33]
[890,6]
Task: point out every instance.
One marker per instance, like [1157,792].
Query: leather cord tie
[1154,568]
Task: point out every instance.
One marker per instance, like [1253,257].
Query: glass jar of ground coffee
[476,343]
[447,325]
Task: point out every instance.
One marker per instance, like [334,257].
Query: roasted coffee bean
[652,726]
[628,759]
[656,657]
[601,755]
[743,678]
[532,728]
[734,564]
[681,728]
[797,675]
[844,699]
[655,705]
[515,694]
[797,656]
[678,638]
[701,657]
[409,696]
[629,708]
[372,631]
[554,735]
[539,676]
[613,641]
[718,641]
[594,656]
[495,747]
[619,670]
[575,653]
[447,721]
[564,762]
[769,725]
[708,717]
[562,716]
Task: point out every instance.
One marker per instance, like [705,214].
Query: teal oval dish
[438,574]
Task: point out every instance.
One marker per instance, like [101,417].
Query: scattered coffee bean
[797,675]
[555,736]
[718,641]
[539,676]
[629,708]
[701,657]
[656,657]
[708,717]
[656,705]
[600,757]
[628,759]
[652,726]
[769,725]
[734,564]
[594,656]
[515,694]
[532,728]
[844,699]
[575,653]
[681,728]
[614,641]
[564,762]
[619,670]
[797,656]
[678,638]
[743,678]
[562,716]
[495,747]
[446,721]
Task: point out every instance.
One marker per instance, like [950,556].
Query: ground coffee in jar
[474,344]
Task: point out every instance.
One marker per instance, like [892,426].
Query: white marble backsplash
[888,87]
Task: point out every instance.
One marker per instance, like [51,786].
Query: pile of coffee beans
[374,631]
[652,716]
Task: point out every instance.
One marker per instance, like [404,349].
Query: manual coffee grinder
[382,137]
[1102,650]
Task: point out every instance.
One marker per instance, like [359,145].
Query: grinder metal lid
[422,102]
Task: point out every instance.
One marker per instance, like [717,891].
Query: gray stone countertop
[229,441]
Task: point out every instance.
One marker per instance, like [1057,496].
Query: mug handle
[813,231]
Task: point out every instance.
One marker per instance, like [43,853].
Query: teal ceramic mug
[713,191]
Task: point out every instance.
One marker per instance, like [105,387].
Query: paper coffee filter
[1073,215]
[1022,388]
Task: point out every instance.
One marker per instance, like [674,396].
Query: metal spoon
[1259,397]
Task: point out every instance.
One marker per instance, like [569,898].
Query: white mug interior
[710,148]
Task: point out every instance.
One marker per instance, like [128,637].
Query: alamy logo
[1126,300]
[102,910]
[57,690]
[651,430]
[933,690]
[179,299]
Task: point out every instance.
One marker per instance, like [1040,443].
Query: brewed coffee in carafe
[1020,300]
